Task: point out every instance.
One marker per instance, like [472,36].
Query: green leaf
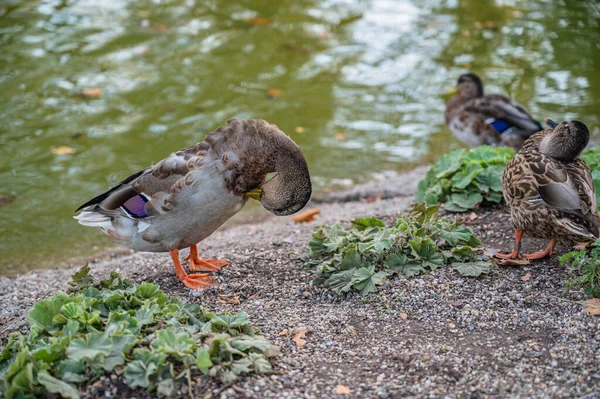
[172,343]
[427,252]
[166,387]
[138,373]
[472,269]
[92,345]
[454,235]
[41,315]
[203,361]
[449,163]
[363,223]
[490,179]
[351,260]
[466,200]
[400,264]
[55,385]
[365,279]
[341,281]
[246,343]
[260,364]
[465,176]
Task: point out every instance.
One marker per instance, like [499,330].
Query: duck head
[566,141]
[469,85]
[290,189]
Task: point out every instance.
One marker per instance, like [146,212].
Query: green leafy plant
[362,258]
[592,157]
[587,262]
[462,179]
[153,341]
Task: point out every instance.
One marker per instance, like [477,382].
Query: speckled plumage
[553,196]
[474,117]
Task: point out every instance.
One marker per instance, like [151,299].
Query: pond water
[358,84]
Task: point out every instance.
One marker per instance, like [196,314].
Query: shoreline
[434,335]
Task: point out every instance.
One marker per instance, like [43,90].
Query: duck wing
[568,188]
[146,192]
[503,114]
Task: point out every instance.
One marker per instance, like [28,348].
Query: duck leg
[201,265]
[542,254]
[516,252]
[193,281]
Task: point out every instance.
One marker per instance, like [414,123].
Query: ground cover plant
[587,263]
[462,179]
[592,157]
[137,331]
[362,258]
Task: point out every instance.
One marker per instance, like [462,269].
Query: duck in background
[550,191]
[185,197]
[477,119]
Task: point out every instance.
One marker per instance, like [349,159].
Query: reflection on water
[364,79]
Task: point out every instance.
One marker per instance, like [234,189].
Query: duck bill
[451,91]
[255,193]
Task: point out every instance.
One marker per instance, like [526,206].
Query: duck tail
[94,219]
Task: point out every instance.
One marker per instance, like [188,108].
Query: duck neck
[566,141]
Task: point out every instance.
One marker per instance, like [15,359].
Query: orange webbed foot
[208,265]
[515,254]
[195,281]
[542,254]
[201,265]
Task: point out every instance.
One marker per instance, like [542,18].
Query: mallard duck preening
[185,197]
[477,119]
[550,191]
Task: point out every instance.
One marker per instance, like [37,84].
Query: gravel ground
[437,335]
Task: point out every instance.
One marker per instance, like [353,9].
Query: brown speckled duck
[185,197]
[550,191]
[477,119]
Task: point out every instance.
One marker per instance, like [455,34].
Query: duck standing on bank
[477,119]
[550,191]
[185,197]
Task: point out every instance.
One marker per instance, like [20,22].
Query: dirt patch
[497,336]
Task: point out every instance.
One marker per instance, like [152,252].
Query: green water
[171,71]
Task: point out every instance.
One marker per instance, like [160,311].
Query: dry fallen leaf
[403,316]
[306,216]
[297,338]
[299,129]
[91,93]
[342,390]
[526,277]
[505,262]
[592,307]
[7,199]
[63,149]
[283,332]
[259,21]
[161,27]
[227,299]
[274,93]
[340,136]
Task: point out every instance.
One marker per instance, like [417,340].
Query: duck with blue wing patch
[185,197]
[477,119]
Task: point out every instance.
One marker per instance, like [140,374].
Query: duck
[493,119]
[186,196]
[550,192]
